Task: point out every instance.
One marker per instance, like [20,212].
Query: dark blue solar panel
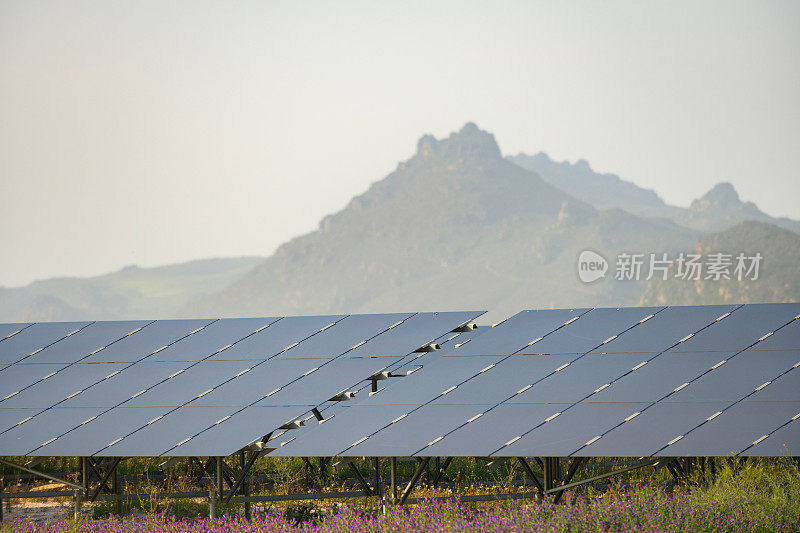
[144,342]
[264,379]
[277,337]
[659,377]
[344,335]
[34,338]
[70,381]
[41,429]
[436,375]
[247,425]
[649,431]
[90,340]
[414,332]
[212,339]
[785,338]
[665,328]
[193,383]
[579,379]
[783,388]
[331,378]
[502,381]
[738,377]
[742,328]
[347,425]
[408,435]
[97,434]
[783,442]
[489,432]
[115,388]
[515,333]
[733,430]
[167,432]
[571,430]
[9,330]
[590,330]
[16,378]
[11,417]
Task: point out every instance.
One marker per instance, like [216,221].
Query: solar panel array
[189,387]
[674,381]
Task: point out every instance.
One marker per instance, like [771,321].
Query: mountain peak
[469,141]
[722,195]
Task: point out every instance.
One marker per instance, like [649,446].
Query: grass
[754,497]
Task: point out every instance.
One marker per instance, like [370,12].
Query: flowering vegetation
[760,498]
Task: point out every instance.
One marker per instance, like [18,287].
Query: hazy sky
[156,132]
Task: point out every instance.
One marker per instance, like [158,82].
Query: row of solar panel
[237,377]
[708,380]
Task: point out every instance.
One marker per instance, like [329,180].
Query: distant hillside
[132,292]
[778,278]
[455,227]
[718,209]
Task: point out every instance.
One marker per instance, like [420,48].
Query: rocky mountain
[777,278]
[457,226]
[132,292]
[718,209]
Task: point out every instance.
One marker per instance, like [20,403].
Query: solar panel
[9,330]
[783,442]
[109,427]
[42,428]
[660,376]
[413,432]
[273,339]
[786,338]
[741,328]
[165,433]
[139,344]
[734,430]
[16,378]
[262,380]
[590,330]
[66,383]
[580,379]
[330,378]
[665,328]
[213,338]
[738,377]
[339,432]
[414,332]
[781,388]
[344,336]
[644,434]
[486,433]
[194,382]
[434,377]
[497,383]
[116,387]
[34,338]
[247,425]
[515,333]
[10,418]
[569,431]
[89,340]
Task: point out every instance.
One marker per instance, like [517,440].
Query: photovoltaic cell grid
[705,380]
[148,388]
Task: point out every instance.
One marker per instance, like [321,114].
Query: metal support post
[411,484]
[361,480]
[1,500]
[376,464]
[85,474]
[212,504]
[115,488]
[77,505]
[393,479]
[244,467]
[220,486]
[441,470]
[528,470]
